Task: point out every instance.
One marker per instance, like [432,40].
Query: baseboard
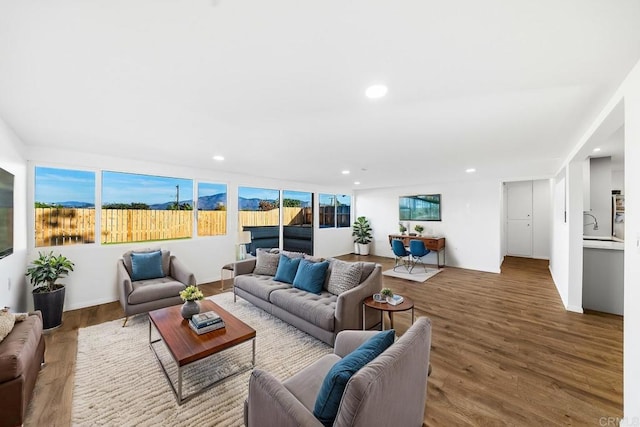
[575,309]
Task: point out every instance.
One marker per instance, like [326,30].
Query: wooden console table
[435,244]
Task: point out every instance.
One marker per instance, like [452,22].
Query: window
[64,207]
[212,209]
[343,210]
[327,207]
[139,208]
[297,214]
[259,213]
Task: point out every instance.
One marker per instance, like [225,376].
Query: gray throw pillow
[266,263]
[344,276]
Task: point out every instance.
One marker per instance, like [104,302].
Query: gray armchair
[142,296]
[390,390]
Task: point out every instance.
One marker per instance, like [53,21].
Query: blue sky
[258,193]
[209,189]
[118,187]
[64,185]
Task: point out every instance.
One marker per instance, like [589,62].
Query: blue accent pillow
[146,265]
[310,276]
[287,268]
[332,389]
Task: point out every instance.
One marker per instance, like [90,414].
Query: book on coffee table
[395,300]
[205,319]
[204,329]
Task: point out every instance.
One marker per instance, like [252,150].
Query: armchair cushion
[287,268]
[328,400]
[147,265]
[166,259]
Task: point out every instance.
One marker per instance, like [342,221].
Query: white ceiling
[277,87]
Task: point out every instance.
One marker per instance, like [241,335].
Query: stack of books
[206,322]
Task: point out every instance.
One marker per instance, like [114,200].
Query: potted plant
[190,295]
[362,235]
[387,292]
[419,229]
[48,296]
[402,228]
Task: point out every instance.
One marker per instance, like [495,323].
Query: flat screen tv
[6,213]
[424,207]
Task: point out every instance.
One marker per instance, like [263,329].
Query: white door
[519,242]
[520,200]
[520,218]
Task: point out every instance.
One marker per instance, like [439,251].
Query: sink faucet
[595,220]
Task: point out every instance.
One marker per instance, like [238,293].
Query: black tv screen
[424,207]
[6,213]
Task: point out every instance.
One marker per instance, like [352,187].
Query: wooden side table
[383,307]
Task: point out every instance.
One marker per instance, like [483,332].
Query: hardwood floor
[504,351]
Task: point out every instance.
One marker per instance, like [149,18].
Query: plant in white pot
[362,235]
[48,296]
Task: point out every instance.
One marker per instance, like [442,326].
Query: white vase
[356,248]
[363,248]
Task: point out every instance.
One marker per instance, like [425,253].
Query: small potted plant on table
[190,295]
[387,293]
[402,228]
[419,229]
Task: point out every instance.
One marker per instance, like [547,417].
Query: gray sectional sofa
[321,315]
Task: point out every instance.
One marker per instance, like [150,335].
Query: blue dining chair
[418,250]
[403,256]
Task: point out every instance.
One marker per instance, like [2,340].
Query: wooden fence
[67,226]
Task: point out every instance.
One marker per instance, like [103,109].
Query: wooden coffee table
[187,347]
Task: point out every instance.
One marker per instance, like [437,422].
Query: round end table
[383,307]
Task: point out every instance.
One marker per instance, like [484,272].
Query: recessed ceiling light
[596,150]
[470,170]
[345,172]
[218,158]
[357,183]
[376,91]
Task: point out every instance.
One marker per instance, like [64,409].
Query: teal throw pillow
[332,389]
[146,265]
[287,268]
[310,276]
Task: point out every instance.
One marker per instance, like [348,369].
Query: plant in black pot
[362,235]
[48,296]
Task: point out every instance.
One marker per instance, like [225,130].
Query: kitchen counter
[603,242]
[603,276]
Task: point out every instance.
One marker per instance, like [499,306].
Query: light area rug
[418,274]
[118,381]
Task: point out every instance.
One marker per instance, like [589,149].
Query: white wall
[471,224]
[570,268]
[542,218]
[559,259]
[94,279]
[631,90]
[600,189]
[12,279]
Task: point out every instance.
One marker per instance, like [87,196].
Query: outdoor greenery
[44,271]
[362,230]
